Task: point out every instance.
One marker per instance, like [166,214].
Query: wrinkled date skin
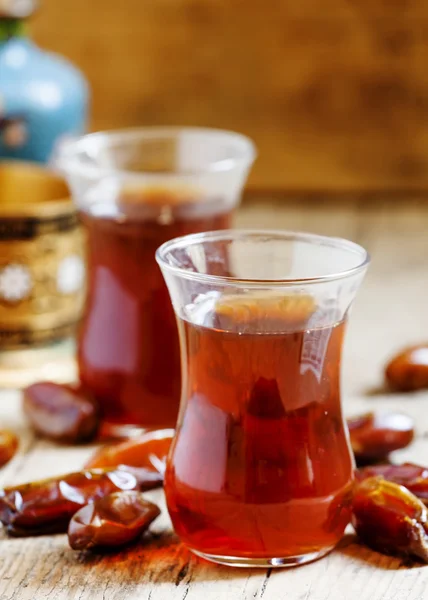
[148,450]
[47,506]
[8,446]
[111,522]
[390,519]
[61,413]
[411,476]
[374,436]
[408,370]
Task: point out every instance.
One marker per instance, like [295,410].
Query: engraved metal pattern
[42,279]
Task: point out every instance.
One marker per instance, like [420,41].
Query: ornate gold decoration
[41,257]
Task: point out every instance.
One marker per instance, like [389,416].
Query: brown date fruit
[390,519]
[411,476]
[110,522]
[61,412]
[148,450]
[375,435]
[47,506]
[408,370]
[8,446]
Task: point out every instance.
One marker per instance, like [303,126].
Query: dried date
[60,412]
[411,476]
[148,450]
[8,446]
[110,522]
[374,436]
[390,519]
[47,506]
[408,370]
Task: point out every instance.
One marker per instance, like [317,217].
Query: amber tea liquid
[261,464]
[128,351]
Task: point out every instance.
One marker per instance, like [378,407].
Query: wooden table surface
[390,311]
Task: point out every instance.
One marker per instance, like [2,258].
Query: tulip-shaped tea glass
[136,189]
[260,471]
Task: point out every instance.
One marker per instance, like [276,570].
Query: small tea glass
[260,472]
[135,189]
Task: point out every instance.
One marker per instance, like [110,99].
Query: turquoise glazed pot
[43,97]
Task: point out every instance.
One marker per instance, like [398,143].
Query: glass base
[24,366]
[277,562]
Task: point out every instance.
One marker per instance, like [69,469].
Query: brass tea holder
[42,272]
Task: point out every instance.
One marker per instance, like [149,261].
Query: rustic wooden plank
[334,93]
[390,312]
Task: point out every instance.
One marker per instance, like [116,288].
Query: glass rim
[67,155]
[236,234]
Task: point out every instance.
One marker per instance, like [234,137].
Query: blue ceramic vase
[43,98]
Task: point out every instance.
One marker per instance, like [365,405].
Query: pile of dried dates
[103,506]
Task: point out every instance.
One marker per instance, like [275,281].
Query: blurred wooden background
[334,93]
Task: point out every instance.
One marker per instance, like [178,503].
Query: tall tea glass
[260,471]
[136,189]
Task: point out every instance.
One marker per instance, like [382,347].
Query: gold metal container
[41,258]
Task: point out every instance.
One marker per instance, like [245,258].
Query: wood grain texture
[390,312]
[335,93]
